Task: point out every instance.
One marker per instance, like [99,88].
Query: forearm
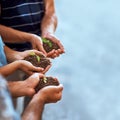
[33,111]
[15,88]
[49,22]
[13,36]
[11,55]
[9,69]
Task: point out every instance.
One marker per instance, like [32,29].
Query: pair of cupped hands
[38,49]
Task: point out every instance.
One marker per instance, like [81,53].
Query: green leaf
[45,80]
[38,58]
[50,44]
[47,42]
[32,53]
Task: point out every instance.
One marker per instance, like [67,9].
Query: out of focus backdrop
[90,68]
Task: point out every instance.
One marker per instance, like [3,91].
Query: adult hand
[49,94]
[26,87]
[37,43]
[26,53]
[28,68]
[54,53]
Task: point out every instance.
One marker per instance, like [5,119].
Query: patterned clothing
[23,15]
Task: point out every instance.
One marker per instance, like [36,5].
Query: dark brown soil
[48,46]
[47,81]
[42,62]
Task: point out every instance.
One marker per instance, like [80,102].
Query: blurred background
[90,68]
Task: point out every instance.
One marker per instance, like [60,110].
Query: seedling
[45,80]
[44,40]
[32,53]
[37,57]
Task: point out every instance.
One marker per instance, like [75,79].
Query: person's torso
[23,15]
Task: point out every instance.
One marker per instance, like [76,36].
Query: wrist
[39,98]
[18,64]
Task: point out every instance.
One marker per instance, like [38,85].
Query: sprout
[32,53]
[38,58]
[45,80]
[47,42]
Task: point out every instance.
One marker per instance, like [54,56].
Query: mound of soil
[38,61]
[49,45]
[47,81]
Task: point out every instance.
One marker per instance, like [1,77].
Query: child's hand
[28,68]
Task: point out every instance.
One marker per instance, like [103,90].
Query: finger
[41,75]
[47,68]
[57,53]
[38,52]
[59,96]
[59,88]
[54,56]
[61,46]
[38,69]
[40,48]
[35,76]
[51,53]
[60,51]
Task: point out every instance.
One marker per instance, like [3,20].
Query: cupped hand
[54,53]
[50,94]
[37,44]
[28,68]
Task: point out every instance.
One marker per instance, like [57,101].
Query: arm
[49,22]
[10,68]
[49,94]
[16,87]
[15,36]
[23,65]
[48,27]
[27,67]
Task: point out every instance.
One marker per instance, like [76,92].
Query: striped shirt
[23,15]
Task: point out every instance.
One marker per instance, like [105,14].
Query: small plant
[37,57]
[32,53]
[45,80]
[44,40]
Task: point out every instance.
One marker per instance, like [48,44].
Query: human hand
[26,53]
[28,68]
[37,43]
[54,53]
[49,94]
[26,87]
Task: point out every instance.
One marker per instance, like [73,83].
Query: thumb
[40,48]
[33,80]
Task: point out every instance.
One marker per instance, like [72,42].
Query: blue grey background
[90,68]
